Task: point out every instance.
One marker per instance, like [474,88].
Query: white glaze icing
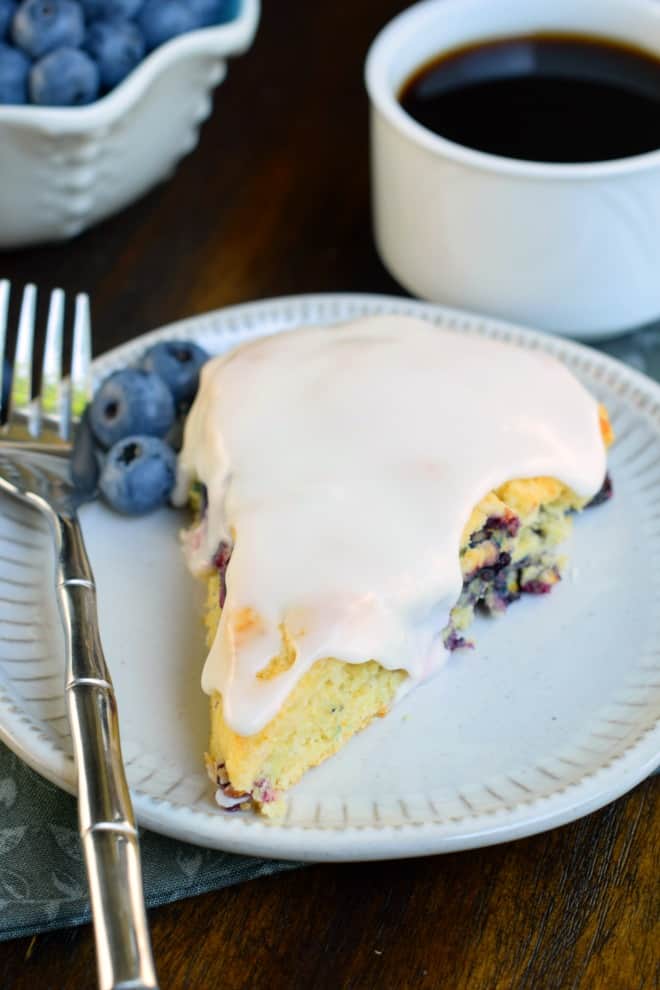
[344,462]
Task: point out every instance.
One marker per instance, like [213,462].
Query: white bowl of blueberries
[99,99]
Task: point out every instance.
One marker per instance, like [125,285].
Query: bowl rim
[231,38]
[384,99]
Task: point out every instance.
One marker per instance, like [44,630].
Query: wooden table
[276,200]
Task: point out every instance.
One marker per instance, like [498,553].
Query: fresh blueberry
[121,9]
[84,460]
[138,474]
[131,401]
[66,77]
[40,26]
[14,72]
[7,11]
[209,12]
[178,363]
[116,47]
[174,436]
[161,20]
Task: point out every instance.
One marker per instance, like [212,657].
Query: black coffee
[546,98]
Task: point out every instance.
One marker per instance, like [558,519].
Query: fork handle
[107,825]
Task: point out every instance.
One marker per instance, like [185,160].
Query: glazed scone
[360,491]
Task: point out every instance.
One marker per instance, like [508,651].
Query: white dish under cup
[570,248]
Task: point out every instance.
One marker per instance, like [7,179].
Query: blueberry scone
[359,492]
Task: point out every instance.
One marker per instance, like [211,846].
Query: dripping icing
[344,462]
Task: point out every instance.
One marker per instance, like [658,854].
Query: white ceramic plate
[553,715]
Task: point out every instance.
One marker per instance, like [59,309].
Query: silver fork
[34,466]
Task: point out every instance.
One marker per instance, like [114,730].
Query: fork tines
[61,401]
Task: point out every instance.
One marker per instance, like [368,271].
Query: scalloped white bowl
[65,169]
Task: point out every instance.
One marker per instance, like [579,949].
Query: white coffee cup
[573,249]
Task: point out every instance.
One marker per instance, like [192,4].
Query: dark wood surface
[275,200]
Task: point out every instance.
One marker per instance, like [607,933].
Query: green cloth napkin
[42,877]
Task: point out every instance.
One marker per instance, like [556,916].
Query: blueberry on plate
[84,462]
[40,26]
[7,11]
[178,363]
[94,9]
[131,401]
[161,20]
[174,436]
[116,47]
[14,72]
[138,474]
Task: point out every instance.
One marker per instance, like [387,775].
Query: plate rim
[352,841]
